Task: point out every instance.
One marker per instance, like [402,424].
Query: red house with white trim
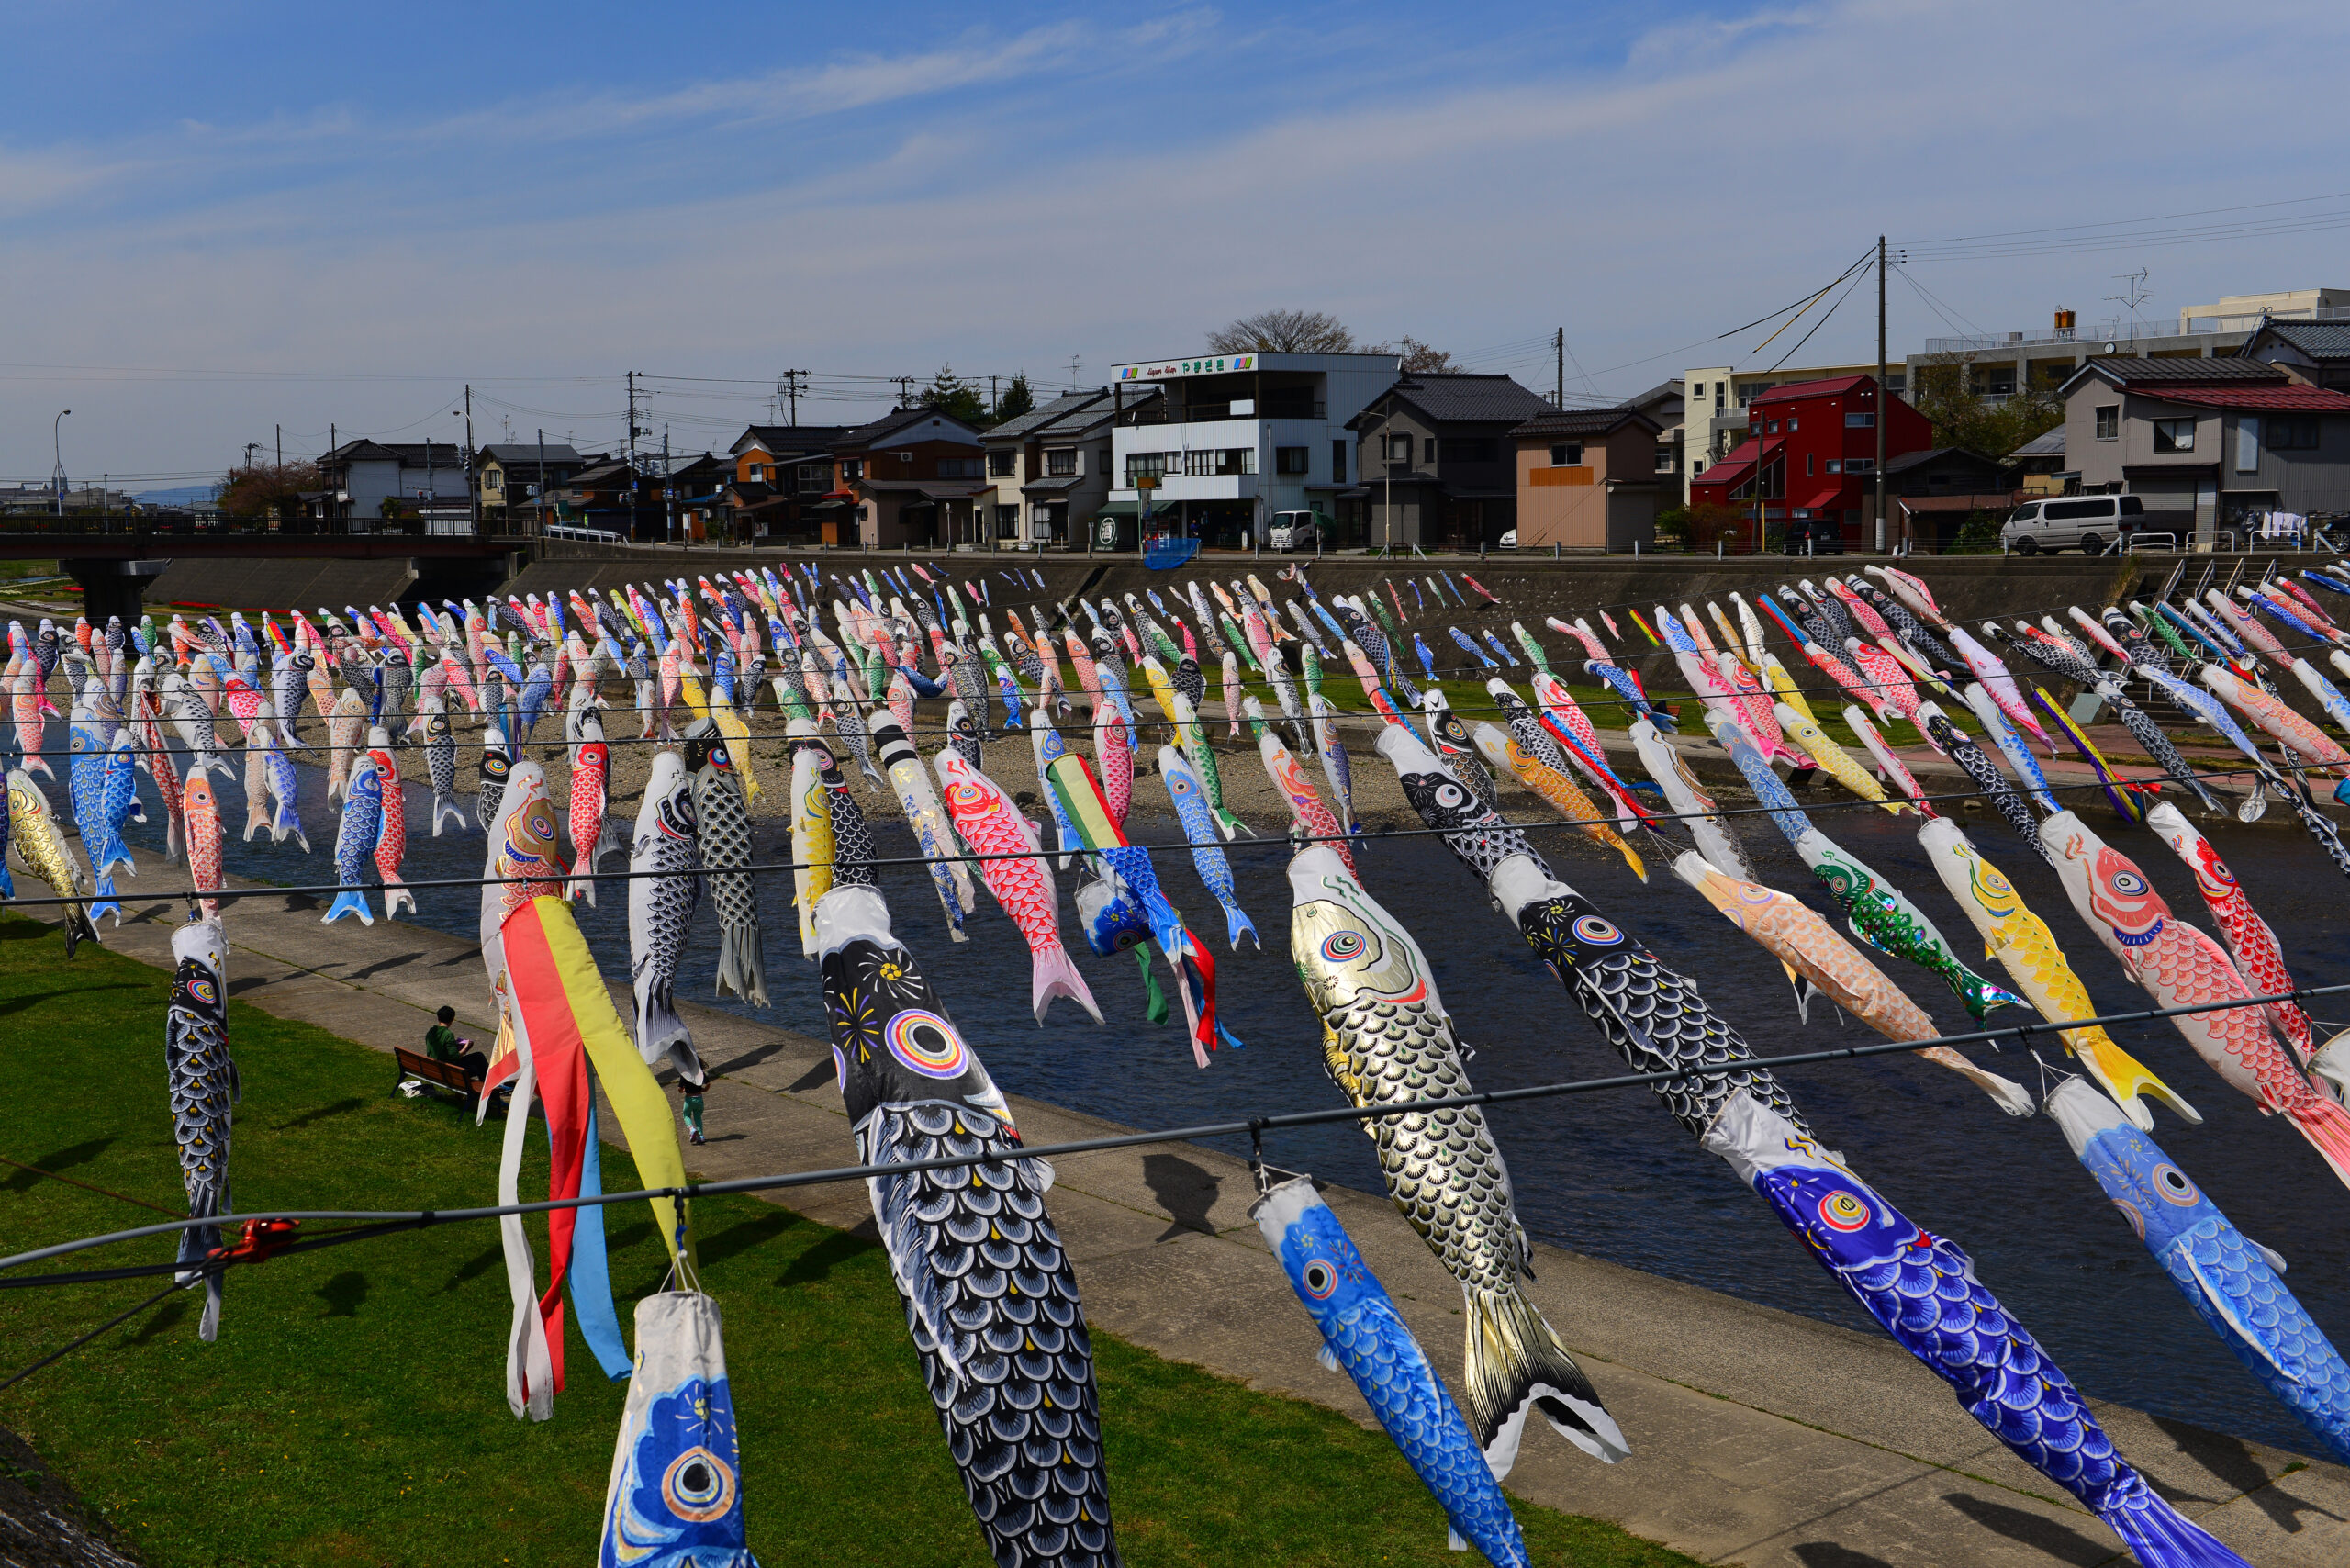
[1811,446]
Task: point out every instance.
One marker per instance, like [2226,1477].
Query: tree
[950,394]
[1284,332]
[1017,398]
[1944,392]
[251,492]
[1419,358]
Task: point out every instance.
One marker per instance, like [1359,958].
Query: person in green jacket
[442,1043]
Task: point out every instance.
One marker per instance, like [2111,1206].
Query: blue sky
[216,221]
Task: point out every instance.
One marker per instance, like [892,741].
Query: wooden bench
[436,1074]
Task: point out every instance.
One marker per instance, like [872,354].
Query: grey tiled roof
[2318,340]
[1465,399]
[2126,371]
[1581,421]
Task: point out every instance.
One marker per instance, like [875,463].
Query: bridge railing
[170,526]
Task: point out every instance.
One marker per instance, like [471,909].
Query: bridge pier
[114,587]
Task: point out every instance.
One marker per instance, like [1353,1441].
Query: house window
[1007,521]
[1566,454]
[1866,421]
[2248,444]
[1145,465]
[1835,466]
[1061,464]
[2108,421]
[1428,450]
[1224,460]
[999,463]
[1337,463]
[1395,448]
[1791,422]
[1664,457]
[1810,463]
[1289,459]
[1699,392]
[812,478]
[1860,466]
[852,469]
[2174,435]
[958,467]
[493,480]
[2292,432]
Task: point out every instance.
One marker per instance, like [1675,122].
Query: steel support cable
[368,1223]
[1287,842]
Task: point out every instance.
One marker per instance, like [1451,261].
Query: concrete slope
[1759,1437]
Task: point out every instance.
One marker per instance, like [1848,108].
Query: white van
[2089,522]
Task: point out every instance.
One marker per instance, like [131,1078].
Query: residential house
[1809,455]
[2317,352]
[2208,443]
[1930,494]
[609,494]
[1435,462]
[2040,464]
[1231,439]
[1586,478]
[1666,404]
[784,488]
[913,477]
[510,479]
[697,506]
[418,476]
[1719,400]
[1049,471]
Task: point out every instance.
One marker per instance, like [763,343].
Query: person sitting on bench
[443,1045]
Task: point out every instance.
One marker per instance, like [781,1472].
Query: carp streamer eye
[926,1043]
[2130,1212]
[698,1486]
[1320,1279]
[1843,1211]
[1597,931]
[1340,946]
[1449,795]
[2173,1184]
[2129,882]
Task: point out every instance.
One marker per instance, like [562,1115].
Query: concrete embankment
[1759,1437]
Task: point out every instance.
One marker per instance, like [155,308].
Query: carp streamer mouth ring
[928,1044]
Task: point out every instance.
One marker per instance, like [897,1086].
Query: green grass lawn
[354,1409]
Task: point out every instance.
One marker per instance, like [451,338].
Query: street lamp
[57,474]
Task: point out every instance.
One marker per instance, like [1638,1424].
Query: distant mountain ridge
[182,496]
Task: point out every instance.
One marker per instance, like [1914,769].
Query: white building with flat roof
[1235,438]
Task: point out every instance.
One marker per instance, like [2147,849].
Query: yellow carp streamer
[2027,949]
[1839,764]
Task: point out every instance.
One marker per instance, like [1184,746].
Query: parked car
[1509,539]
[2091,522]
[1813,536]
[1296,530]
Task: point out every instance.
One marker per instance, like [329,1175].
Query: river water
[1609,1174]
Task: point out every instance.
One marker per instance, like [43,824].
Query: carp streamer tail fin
[445,805]
[1237,925]
[742,968]
[2159,1536]
[2327,1126]
[351,901]
[2126,1078]
[660,1031]
[1514,1363]
[1055,973]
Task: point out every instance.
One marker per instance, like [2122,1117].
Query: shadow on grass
[475,1267]
[19,1003]
[155,1327]
[744,1235]
[344,1293]
[57,1160]
[819,1261]
[320,1114]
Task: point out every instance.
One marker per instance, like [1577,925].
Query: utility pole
[793,392]
[281,446]
[1884,397]
[473,485]
[1559,348]
[992,396]
[905,391]
[543,478]
[630,455]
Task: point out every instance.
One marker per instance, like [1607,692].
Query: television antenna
[2133,294]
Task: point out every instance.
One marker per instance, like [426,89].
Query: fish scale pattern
[1987,778]
[1653,1016]
[1002,1339]
[1378,1351]
[2317,1388]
